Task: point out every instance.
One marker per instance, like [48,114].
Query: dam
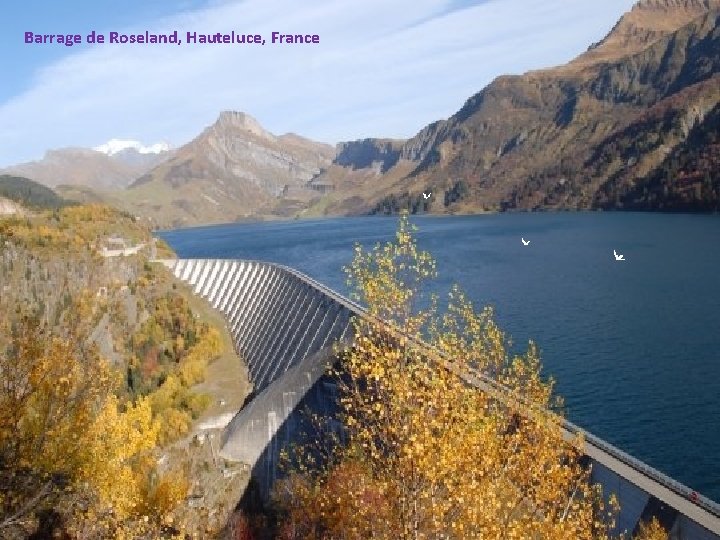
[284,325]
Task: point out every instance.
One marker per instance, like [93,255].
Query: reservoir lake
[633,345]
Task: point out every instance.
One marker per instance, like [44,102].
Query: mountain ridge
[645,23]
[88,167]
[234,167]
[20,195]
[600,132]
[527,141]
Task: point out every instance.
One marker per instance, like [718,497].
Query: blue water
[634,345]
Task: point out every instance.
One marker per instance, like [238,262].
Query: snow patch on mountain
[115,146]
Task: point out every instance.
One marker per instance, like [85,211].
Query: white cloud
[381,69]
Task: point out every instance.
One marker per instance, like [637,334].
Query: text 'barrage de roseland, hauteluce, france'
[175,37]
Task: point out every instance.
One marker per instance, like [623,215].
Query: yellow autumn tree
[651,530]
[69,448]
[48,398]
[115,444]
[446,433]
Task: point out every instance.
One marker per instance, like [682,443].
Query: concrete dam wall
[284,325]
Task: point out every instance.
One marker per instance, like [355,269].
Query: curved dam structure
[284,325]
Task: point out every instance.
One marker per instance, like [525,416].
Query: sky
[382,68]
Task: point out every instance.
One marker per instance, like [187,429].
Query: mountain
[646,23]
[631,123]
[232,170]
[108,166]
[19,194]
[618,127]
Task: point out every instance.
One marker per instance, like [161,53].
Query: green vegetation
[30,193]
[394,204]
[457,192]
[417,203]
[168,355]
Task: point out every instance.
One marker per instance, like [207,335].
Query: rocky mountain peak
[236,120]
[666,15]
[675,4]
[235,168]
[647,22]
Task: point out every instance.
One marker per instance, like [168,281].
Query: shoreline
[310,219]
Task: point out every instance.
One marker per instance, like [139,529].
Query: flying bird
[427,195]
[525,242]
[618,257]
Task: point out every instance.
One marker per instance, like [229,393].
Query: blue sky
[381,68]
[39,16]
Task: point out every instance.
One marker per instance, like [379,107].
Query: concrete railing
[284,325]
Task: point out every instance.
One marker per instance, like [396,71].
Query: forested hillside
[29,193]
[688,178]
[99,357]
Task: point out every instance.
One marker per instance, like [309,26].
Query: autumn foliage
[62,429]
[98,360]
[423,453]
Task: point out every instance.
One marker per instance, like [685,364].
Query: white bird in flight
[427,195]
[525,242]
[618,257]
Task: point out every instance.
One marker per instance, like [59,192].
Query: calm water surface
[634,346]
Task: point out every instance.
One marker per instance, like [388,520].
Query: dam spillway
[284,325]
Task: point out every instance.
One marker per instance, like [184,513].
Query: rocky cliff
[378,154]
[10,208]
[646,23]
